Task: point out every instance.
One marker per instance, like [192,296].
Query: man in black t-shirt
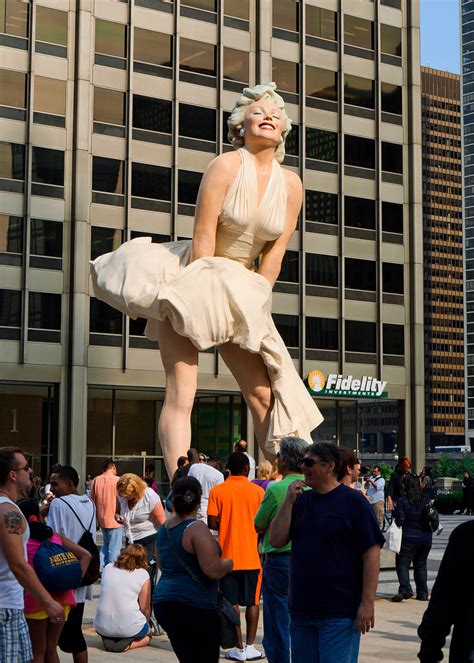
[334,562]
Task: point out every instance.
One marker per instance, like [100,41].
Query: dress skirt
[210,301]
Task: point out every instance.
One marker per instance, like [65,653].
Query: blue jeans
[315,640]
[112,544]
[276,619]
[418,554]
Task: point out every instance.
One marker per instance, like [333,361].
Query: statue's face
[263,120]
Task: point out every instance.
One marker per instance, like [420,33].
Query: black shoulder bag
[229,618]
[86,541]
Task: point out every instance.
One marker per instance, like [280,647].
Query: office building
[110,113]
[443,262]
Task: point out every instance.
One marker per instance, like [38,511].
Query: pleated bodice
[244,226]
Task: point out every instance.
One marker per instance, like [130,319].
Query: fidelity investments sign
[341,385]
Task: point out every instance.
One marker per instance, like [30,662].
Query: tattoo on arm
[12,521]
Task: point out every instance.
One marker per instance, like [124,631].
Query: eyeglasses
[26,467]
[309,462]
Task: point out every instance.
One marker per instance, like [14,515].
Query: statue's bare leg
[251,374]
[180,361]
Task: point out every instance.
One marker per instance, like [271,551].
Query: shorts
[71,639]
[119,645]
[15,643]
[242,587]
[42,614]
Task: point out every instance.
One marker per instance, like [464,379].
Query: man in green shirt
[276,639]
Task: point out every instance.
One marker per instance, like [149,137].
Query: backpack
[429,518]
[87,541]
[57,568]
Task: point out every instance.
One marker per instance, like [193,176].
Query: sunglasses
[309,462]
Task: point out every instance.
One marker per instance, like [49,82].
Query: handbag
[57,568]
[393,538]
[429,518]
[229,619]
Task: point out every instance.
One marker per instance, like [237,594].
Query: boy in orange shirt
[231,510]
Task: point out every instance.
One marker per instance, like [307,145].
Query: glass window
[10,308]
[107,175]
[197,56]
[152,114]
[197,122]
[358,32]
[360,274]
[50,95]
[188,186]
[390,40]
[393,339]
[153,47]
[51,25]
[104,319]
[321,83]
[322,333]
[321,144]
[12,161]
[48,166]
[288,327]
[156,238]
[14,17]
[321,22]
[292,141]
[104,240]
[46,238]
[322,270]
[285,15]
[290,267]
[391,98]
[321,206]
[359,91]
[392,278]
[236,65]
[11,234]
[237,8]
[359,212]
[12,88]
[151,181]
[208,5]
[44,310]
[359,151]
[109,106]
[110,38]
[392,217]
[285,75]
[361,336]
[392,157]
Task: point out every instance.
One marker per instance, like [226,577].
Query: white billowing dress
[217,299]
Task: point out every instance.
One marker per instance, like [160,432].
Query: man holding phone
[375,485]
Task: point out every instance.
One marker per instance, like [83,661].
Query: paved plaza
[393,640]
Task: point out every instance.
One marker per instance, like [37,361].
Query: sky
[440,34]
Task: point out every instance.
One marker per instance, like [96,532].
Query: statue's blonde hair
[248,96]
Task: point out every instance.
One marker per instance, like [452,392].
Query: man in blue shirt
[376,493]
[334,562]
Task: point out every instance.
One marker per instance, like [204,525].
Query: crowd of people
[304,534]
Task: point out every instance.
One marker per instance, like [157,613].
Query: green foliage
[447,503]
[386,471]
[447,466]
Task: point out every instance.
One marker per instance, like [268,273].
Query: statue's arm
[214,185]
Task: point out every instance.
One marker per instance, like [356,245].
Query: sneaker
[422,598]
[236,654]
[439,530]
[400,597]
[252,653]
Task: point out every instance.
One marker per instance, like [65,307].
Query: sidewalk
[394,638]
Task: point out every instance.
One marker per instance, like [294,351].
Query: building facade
[467,88]
[110,113]
[443,258]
